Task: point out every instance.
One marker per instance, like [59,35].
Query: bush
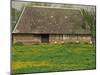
[77,42]
[36,43]
[18,43]
[73,42]
[88,43]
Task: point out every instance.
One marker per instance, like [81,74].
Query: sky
[18,4]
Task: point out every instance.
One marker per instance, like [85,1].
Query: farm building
[50,25]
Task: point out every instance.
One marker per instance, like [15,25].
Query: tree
[89,17]
[14,16]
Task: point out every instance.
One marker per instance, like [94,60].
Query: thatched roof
[44,20]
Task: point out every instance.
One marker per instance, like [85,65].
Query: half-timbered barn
[50,25]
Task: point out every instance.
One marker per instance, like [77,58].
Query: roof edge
[18,20]
[54,7]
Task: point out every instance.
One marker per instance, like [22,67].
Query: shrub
[77,42]
[36,43]
[18,43]
[88,43]
[72,43]
[62,42]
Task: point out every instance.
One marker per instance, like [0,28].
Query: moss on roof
[42,20]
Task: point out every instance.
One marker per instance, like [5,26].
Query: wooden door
[45,38]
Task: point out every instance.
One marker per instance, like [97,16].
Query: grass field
[48,58]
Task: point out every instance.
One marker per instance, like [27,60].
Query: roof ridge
[53,7]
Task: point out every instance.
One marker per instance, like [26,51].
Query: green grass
[50,57]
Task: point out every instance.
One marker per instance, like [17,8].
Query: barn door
[45,38]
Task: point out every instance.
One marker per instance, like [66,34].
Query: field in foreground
[48,58]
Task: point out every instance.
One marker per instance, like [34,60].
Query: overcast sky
[18,4]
